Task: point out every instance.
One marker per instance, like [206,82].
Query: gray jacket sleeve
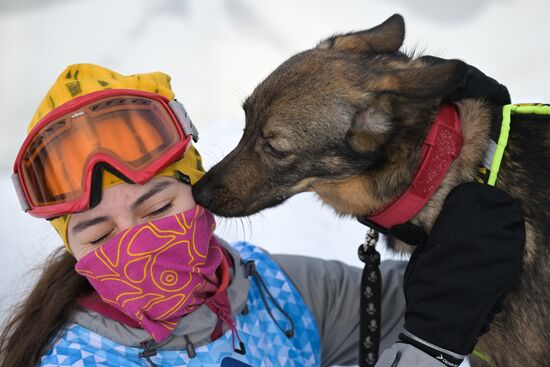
[331,291]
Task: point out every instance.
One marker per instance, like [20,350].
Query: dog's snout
[204,193]
[214,196]
[202,198]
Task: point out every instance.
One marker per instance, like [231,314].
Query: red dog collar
[441,147]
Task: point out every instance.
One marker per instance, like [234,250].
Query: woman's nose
[125,222]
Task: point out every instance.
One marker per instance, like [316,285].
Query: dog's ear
[369,130]
[424,81]
[384,38]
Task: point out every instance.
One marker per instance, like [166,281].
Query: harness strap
[507,112]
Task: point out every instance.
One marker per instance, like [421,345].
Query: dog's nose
[203,193]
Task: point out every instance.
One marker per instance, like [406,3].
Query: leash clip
[367,250]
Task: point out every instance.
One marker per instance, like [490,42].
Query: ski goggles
[136,133]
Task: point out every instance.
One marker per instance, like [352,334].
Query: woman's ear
[369,130]
[384,38]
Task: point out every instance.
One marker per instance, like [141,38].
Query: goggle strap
[20,193]
[185,121]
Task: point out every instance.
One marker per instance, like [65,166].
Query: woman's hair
[29,331]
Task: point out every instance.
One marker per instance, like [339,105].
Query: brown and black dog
[347,120]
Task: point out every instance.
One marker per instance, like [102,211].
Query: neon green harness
[507,112]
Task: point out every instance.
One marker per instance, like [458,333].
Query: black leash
[371,284]
[371,301]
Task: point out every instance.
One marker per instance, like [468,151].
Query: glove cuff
[444,356]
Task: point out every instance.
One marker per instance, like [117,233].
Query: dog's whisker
[221,152]
[213,157]
[237,93]
[242,227]
[236,222]
[223,226]
[230,224]
[249,220]
[219,227]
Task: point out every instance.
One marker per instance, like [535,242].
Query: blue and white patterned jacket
[318,297]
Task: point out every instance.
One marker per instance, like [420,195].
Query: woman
[142,279]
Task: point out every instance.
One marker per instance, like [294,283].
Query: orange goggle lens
[130,130]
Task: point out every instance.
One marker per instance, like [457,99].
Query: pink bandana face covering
[159,271]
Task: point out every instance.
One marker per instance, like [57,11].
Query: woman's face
[123,206]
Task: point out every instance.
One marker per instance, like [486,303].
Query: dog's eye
[268,148]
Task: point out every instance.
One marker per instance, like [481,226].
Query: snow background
[216,52]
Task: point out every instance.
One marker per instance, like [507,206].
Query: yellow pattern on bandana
[81,79]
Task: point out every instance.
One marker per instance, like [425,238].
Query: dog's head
[327,120]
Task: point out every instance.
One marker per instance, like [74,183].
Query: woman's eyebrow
[154,190]
[88,223]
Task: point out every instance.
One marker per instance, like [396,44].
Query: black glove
[456,281]
[475,84]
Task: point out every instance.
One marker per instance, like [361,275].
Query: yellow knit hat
[81,79]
